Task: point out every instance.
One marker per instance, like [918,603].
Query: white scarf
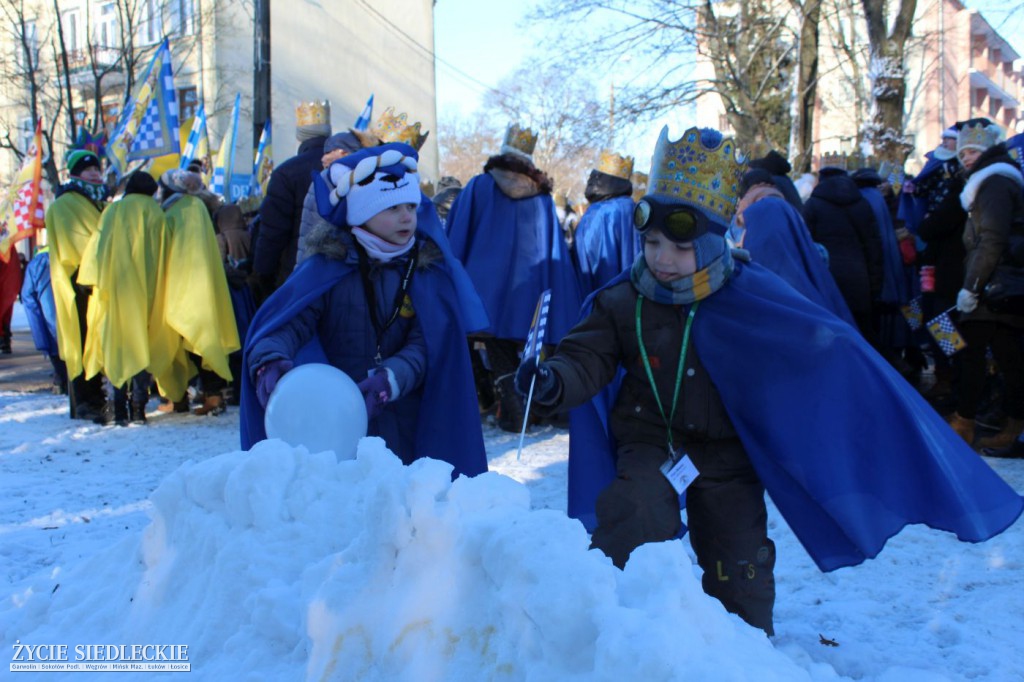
[380,249]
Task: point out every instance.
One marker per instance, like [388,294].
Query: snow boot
[213,404]
[963,427]
[180,406]
[137,412]
[1005,437]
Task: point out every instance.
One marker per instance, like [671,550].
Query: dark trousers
[1005,343]
[84,394]
[135,391]
[727,518]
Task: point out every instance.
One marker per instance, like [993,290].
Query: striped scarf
[696,287]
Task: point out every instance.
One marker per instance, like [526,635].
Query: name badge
[680,471]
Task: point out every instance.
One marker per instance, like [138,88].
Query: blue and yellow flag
[263,165]
[946,335]
[225,163]
[196,138]
[149,123]
[913,313]
[363,122]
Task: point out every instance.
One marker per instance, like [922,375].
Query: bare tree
[562,108]
[888,75]
[464,144]
[805,86]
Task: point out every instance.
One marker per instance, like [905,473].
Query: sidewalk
[26,370]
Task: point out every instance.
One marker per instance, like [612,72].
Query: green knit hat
[80,159]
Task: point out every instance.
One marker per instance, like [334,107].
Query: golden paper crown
[316,112]
[701,169]
[639,185]
[392,128]
[612,164]
[518,140]
[980,136]
[833,160]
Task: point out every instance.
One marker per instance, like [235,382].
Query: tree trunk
[888,76]
[801,144]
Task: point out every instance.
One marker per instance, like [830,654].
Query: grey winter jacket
[341,321]
[311,221]
[588,358]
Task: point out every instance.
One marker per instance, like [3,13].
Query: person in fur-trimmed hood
[381,299]
[504,228]
[995,215]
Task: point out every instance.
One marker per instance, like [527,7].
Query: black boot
[137,412]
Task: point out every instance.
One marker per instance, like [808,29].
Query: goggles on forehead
[679,222]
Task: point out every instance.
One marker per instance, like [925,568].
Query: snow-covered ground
[278,564]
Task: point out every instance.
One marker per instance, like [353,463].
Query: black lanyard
[371,295]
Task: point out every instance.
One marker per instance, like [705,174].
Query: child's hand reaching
[267,377]
[376,390]
[548,386]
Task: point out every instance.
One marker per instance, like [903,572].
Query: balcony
[80,65]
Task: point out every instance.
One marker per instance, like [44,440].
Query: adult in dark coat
[776,164]
[842,221]
[995,217]
[273,257]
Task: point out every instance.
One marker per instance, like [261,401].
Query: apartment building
[342,51]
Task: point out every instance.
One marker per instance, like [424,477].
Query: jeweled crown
[701,169]
[394,128]
[519,141]
[315,112]
[612,164]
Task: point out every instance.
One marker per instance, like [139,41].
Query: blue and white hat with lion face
[361,185]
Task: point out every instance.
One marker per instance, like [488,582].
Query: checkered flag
[913,314]
[538,328]
[149,123]
[946,334]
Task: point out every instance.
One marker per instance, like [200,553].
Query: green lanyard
[679,372]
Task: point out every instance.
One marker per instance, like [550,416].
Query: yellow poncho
[71,221]
[198,305]
[124,263]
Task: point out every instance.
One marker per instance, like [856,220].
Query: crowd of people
[711,333]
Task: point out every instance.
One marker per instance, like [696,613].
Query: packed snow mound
[281,564]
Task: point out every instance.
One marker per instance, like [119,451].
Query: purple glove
[376,391]
[267,377]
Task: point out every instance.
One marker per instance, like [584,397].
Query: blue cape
[513,250]
[448,427]
[605,242]
[849,452]
[37,298]
[912,208]
[778,239]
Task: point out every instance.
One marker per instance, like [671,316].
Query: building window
[31,43]
[188,103]
[26,131]
[993,106]
[149,22]
[69,21]
[107,32]
[182,16]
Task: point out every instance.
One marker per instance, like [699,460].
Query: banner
[225,162]
[149,124]
[196,145]
[263,164]
[363,122]
[22,211]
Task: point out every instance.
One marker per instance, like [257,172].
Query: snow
[280,564]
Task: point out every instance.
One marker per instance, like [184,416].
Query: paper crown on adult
[701,168]
[980,135]
[611,163]
[834,160]
[521,141]
[314,112]
[391,127]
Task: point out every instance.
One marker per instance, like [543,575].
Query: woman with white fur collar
[992,197]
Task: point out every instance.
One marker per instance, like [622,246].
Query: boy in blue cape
[384,301]
[696,359]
